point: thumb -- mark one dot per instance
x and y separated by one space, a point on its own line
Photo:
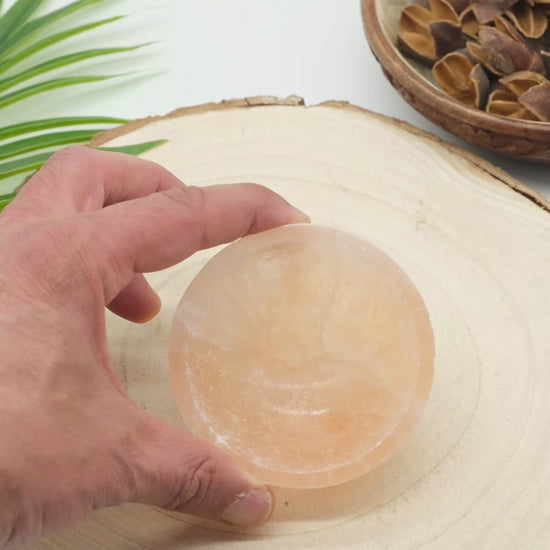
178 471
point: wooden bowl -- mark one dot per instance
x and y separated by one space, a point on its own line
416 85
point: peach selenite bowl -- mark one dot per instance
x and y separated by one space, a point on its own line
303 352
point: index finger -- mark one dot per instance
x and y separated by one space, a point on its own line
155 232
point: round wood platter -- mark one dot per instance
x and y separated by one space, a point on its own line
476 471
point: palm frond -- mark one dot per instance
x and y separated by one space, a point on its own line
5 199
23 165
20 95
34 126
26 145
41 45
58 63
34 162
45 141
29 165
29 30
16 16
136 149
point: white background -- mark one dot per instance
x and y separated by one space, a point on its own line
209 50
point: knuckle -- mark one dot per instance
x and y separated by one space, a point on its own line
66 158
192 200
72 152
260 192
192 203
198 487
62 164
42 192
257 188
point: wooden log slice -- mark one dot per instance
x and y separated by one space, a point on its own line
476 472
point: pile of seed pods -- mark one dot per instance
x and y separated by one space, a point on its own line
489 54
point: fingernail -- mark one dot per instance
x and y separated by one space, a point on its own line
252 508
302 217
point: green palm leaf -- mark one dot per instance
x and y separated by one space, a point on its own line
26 32
59 62
137 149
25 145
34 162
45 141
6 199
41 45
54 123
14 18
47 86
23 166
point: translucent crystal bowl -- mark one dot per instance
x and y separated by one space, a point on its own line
303 352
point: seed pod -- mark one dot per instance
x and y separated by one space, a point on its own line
518 83
469 23
414 38
505 103
443 10
461 79
486 10
537 100
481 86
503 55
447 37
452 72
459 5
543 5
507 27
428 34
528 19
524 95
509 39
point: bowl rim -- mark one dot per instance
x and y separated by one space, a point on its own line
397 67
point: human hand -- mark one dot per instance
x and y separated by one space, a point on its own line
77 238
